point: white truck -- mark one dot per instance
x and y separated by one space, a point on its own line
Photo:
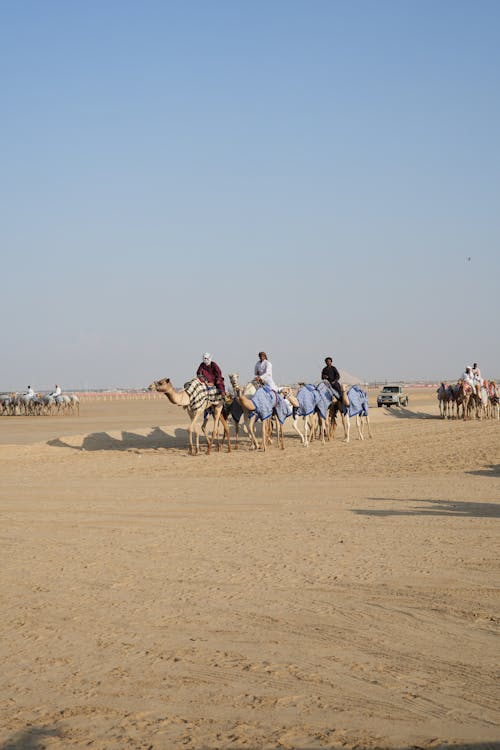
392 395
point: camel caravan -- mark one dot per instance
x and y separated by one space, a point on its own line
314 411
471 397
32 404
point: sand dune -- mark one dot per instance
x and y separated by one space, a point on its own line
335 596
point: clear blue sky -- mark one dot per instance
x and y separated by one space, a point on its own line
307 178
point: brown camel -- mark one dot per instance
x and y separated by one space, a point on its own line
182 398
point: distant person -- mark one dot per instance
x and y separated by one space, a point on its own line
210 372
30 393
56 392
263 371
468 377
476 374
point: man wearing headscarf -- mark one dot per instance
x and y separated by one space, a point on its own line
468 377
210 372
263 370
476 374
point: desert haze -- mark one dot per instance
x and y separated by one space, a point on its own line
341 595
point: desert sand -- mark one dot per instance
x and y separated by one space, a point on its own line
323 597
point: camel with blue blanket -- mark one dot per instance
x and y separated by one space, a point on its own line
262 404
314 402
358 407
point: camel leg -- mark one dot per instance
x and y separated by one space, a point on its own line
194 428
346 422
264 435
267 433
225 426
251 431
204 426
322 425
281 437
215 431
313 424
296 428
190 437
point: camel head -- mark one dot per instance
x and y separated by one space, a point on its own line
159 385
234 380
287 393
343 396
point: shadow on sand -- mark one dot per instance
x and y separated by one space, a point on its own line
35 738
400 412
425 507
491 471
32 738
103 441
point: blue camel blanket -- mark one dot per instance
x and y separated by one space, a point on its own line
358 401
308 397
264 400
326 395
283 408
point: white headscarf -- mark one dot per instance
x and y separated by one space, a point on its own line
207 358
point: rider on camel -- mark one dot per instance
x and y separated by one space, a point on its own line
332 375
263 371
210 373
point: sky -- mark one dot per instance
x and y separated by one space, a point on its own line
305 178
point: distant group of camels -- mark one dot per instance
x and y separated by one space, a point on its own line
462 401
15 404
240 406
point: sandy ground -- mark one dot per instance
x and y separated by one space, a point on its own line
334 596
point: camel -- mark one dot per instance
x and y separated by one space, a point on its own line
445 399
338 405
478 401
494 400
292 399
182 398
462 392
308 398
243 397
230 408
